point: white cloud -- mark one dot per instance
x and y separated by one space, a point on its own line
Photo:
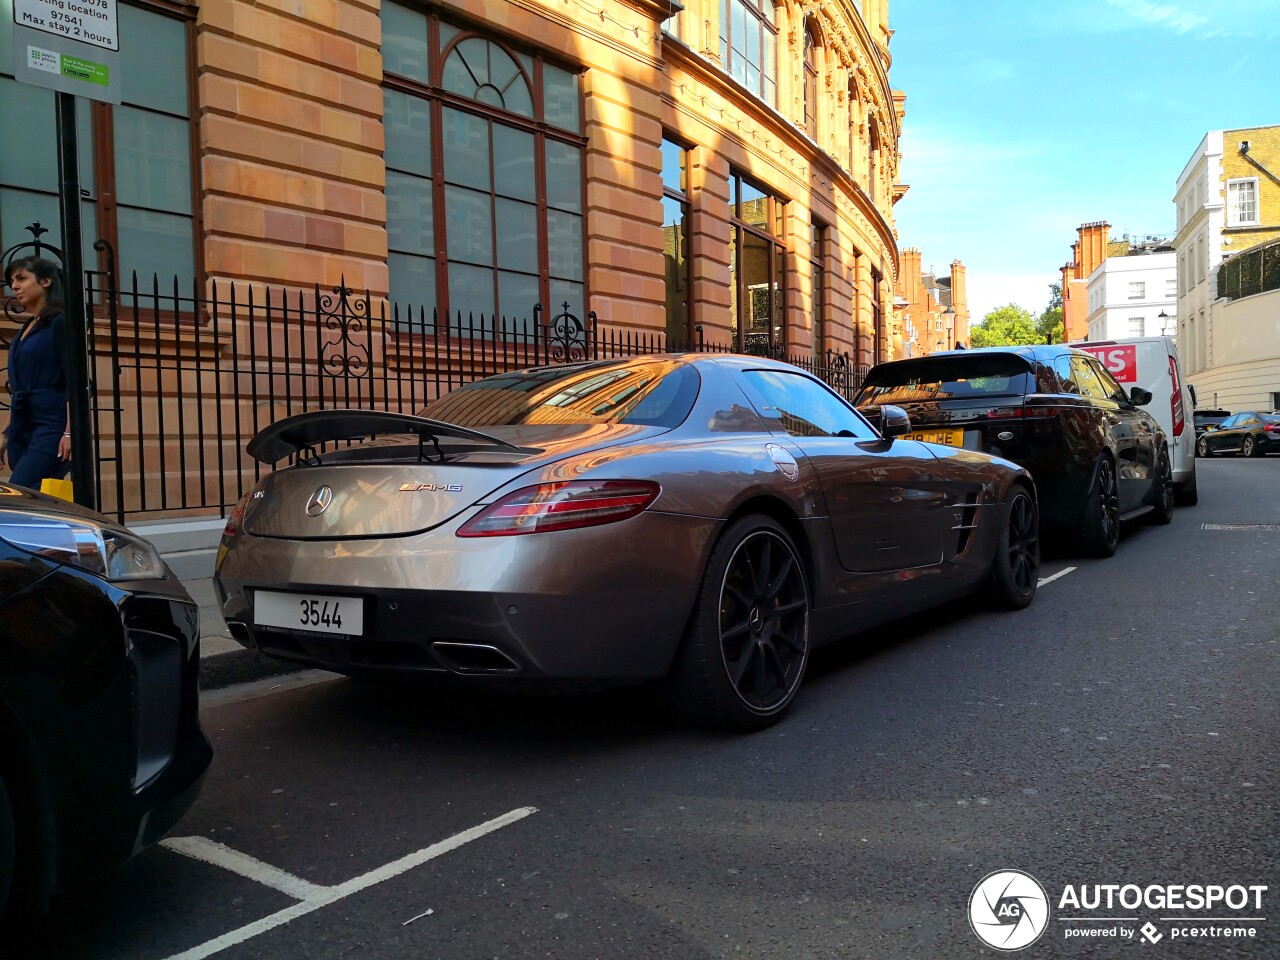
1163 14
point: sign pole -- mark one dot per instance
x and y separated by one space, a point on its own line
75 325
74 50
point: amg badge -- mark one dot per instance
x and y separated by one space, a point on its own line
431 487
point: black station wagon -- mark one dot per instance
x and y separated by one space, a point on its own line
1096 456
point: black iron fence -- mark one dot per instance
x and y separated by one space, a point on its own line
185 375
1256 270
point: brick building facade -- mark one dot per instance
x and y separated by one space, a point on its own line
486 155
933 311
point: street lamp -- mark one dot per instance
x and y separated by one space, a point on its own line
1164 322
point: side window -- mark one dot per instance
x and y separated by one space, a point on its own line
804 407
1087 380
1062 367
1109 384
1230 422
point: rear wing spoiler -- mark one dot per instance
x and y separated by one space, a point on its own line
307 430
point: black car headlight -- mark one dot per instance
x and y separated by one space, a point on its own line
107 551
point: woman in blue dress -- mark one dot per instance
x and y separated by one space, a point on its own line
36 442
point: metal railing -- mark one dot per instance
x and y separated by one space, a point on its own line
184 375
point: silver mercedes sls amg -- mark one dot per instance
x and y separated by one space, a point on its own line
703 520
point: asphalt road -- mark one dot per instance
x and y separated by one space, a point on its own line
1120 731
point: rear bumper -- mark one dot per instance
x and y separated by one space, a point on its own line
604 603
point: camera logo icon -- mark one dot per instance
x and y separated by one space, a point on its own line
1008 910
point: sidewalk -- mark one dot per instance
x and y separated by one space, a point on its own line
215 639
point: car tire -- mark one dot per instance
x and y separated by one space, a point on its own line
8 849
1187 494
747 645
1100 534
1164 500
1015 569
1249 447
1202 448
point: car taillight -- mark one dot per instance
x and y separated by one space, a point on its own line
1179 420
1272 428
237 517
561 506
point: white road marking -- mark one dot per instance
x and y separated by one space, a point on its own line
210 851
355 885
1061 573
240 692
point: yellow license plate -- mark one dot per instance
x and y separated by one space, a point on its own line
952 438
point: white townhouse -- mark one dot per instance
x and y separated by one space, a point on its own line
1135 295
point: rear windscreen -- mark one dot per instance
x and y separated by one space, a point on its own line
639 392
947 378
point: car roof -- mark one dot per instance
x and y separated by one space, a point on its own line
1038 352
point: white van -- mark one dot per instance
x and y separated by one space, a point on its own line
1152 363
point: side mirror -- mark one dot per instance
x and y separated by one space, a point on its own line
1139 397
894 422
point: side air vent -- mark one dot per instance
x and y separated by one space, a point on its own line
967 516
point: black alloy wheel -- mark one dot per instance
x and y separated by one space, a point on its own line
747 647
1249 447
1163 503
1101 533
1202 448
1015 569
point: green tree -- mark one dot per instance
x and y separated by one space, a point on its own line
1007 326
1050 326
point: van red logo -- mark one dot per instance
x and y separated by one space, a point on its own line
1121 360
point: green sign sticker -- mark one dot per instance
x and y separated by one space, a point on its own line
85 70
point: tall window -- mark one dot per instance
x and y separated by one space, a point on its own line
1171 288
1242 203
674 25
811 52
675 240
749 45
873 156
853 121
877 314
484 174
1137 290
817 303
1137 327
757 264
136 172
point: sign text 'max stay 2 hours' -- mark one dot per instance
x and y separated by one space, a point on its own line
88 21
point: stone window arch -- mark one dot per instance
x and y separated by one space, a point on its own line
482 70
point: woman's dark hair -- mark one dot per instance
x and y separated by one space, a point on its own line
55 298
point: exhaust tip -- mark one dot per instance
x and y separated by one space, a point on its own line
473 658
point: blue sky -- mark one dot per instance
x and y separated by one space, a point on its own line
1027 118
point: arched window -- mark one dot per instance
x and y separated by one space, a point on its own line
484 155
812 50
481 70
